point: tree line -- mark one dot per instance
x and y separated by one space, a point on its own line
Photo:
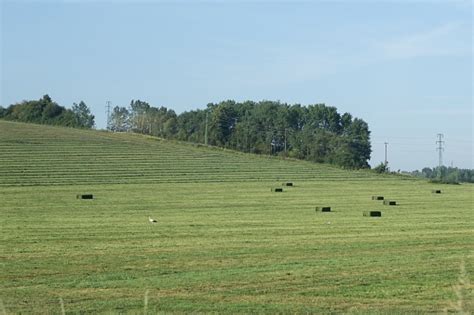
46 111
315 132
447 175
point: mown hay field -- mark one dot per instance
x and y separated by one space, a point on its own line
223 241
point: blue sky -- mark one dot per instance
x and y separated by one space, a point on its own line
403 66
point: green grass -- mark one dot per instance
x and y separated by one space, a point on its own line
224 243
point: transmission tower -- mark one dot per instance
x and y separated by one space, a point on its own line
386 161
107 106
440 148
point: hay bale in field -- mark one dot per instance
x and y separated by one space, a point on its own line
390 202
436 191
377 197
323 209
277 189
85 196
372 213
289 184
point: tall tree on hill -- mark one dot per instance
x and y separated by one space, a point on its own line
223 122
83 114
190 126
158 121
119 119
42 111
359 143
346 122
50 111
170 127
140 120
315 132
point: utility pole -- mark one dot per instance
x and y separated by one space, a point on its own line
440 148
205 131
386 161
285 140
107 106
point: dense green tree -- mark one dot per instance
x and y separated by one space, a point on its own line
46 111
120 119
157 118
68 119
346 122
381 168
51 111
427 172
315 132
140 117
83 114
222 124
170 127
191 126
449 175
358 138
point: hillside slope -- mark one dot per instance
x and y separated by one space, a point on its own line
224 243
44 155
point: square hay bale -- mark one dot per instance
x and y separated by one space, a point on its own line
372 213
377 197
436 191
289 184
277 189
85 196
390 202
323 209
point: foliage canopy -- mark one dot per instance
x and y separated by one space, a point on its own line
46 111
315 132
446 175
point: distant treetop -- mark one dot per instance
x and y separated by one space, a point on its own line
46 111
315 132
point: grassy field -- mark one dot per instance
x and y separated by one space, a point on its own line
224 243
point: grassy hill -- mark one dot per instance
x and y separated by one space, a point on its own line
44 155
223 241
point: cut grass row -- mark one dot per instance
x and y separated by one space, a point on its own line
60 156
223 242
225 250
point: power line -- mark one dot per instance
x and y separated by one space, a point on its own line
440 148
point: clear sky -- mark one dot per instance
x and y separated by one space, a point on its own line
405 67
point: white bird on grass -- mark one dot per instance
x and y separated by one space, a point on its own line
152 220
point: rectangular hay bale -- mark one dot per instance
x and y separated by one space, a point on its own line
323 209
390 202
436 191
377 197
372 213
277 189
289 184
85 196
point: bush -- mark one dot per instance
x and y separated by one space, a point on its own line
381 168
